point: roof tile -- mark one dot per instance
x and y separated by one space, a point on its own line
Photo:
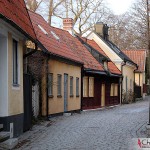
138 56
67 45
111 66
16 12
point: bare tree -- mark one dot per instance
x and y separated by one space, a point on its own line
85 13
33 4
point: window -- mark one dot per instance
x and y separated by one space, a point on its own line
91 86
59 82
85 86
43 30
106 65
71 86
50 84
114 89
77 87
15 62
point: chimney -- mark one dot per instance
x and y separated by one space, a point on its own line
102 30
68 25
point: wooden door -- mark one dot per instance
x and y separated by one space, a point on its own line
103 95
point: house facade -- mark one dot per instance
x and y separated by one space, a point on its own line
123 62
13 33
139 57
61 80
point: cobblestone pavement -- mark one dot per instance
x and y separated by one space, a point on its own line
107 129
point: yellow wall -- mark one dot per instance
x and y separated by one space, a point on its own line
140 80
56 104
128 72
15 94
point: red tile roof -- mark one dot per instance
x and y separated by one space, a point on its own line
138 56
49 40
67 45
15 11
111 66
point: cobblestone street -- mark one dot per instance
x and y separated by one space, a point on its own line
107 129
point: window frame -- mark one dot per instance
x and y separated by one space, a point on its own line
15 54
71 86
77 87
50 86
59 85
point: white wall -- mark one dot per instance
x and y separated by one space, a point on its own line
3 76
8 95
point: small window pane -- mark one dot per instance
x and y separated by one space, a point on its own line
85 86
71 86
50 84
91 86
116 90
112 90
59 80
77 86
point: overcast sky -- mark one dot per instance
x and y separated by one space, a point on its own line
119 6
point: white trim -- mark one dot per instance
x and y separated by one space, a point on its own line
18 51
5 26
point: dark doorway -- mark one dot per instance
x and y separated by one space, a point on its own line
27 102
137 91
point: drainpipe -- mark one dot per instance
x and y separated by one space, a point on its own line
47 98
81 86
122 64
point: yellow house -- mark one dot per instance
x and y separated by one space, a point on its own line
61 79
123 62
13 33
139 57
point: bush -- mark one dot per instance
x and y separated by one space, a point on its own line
128 97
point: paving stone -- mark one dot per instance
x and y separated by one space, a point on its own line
107 129
9 144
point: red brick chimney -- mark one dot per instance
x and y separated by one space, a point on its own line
68 25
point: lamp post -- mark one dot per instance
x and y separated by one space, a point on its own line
148 40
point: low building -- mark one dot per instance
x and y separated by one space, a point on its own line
122 61
61 69
139 57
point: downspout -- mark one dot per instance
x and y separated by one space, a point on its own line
122 64
81 86
139 79
47 98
